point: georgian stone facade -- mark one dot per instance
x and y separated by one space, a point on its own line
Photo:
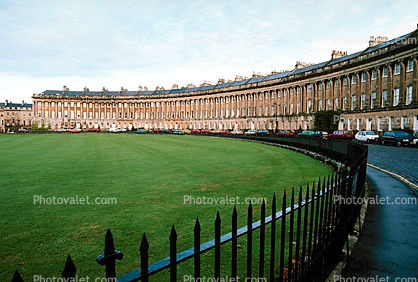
374 89
15 117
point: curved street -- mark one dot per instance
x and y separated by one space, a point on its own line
402 160
387 247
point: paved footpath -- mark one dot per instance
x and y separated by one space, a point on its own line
388 246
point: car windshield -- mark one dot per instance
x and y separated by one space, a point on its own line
370 133
401 133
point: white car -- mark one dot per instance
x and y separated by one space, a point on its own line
113 129
367 136
251 132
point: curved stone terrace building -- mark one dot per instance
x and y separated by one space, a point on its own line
374 89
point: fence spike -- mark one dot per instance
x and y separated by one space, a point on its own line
291 226
173 254
144 247
217 246
110 256
305 230
283 238
234 254
69 269
249 241
273 238
262 239
144 243
298 231
173 233
17 277
197 225
197 249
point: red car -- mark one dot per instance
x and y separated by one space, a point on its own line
342 134
285 133
195 131
75 130
204 131
157 130
226 132
94 130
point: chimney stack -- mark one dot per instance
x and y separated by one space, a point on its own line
377 40
338 54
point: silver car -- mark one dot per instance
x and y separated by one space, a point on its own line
366 136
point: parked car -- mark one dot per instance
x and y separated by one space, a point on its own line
250 132
263 132
75 130
216 131
187 131
177 132
320 134
93 130
141 131
237 132
366 136
285 133
157 130
166 131
306 133
61 130
342 135
195 131
226 132
204 131
397 138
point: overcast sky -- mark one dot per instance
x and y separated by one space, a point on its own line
111 44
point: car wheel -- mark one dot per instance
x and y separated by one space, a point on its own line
399 143
382 142
368 141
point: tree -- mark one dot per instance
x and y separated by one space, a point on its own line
326 120
35 125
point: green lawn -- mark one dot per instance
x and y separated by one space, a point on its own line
148 175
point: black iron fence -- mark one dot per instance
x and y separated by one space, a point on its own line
304 241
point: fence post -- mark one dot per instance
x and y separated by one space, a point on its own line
110 256
283 238
173 254
69 269
290 258
262 240
217 246
17 277
234 244
273 238
305 231
197 249
144 257
249 241
298 227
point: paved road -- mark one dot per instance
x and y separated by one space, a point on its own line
387 248
403 160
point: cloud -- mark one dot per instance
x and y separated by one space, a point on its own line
113 44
